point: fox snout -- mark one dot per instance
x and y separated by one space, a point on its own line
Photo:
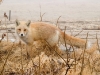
21 35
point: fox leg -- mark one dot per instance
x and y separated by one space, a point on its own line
29 51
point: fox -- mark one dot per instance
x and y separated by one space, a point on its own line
29 32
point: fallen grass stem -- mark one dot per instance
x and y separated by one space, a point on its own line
78 33
54 50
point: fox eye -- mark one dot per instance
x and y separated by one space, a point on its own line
24 29
19 29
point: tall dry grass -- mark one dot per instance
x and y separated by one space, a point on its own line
46 60
14 60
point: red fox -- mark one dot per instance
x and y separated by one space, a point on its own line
30 32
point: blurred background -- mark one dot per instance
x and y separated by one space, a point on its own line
69 10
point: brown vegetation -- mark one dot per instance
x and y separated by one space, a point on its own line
47 60
14 60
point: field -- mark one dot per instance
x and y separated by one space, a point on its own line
66 60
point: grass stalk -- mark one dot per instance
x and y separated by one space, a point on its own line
41 15
6 28
97 42
21 60
39 63
83 56
58 21
6 60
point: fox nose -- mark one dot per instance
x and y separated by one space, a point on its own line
21 34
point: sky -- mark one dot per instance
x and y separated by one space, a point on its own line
51 1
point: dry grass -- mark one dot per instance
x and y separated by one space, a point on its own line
46 60
14 60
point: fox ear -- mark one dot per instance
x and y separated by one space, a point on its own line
17 22
28 23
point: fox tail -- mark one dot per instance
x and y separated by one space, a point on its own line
74 41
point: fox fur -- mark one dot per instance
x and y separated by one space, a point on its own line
30 32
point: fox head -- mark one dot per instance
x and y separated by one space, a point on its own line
22 28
